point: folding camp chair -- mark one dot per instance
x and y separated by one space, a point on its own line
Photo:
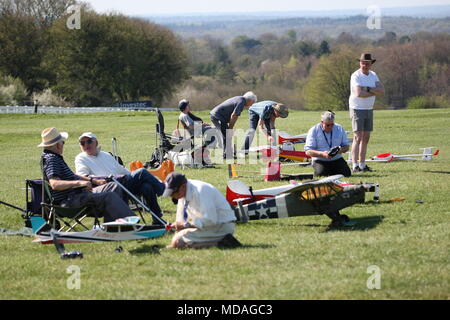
165 143
40 202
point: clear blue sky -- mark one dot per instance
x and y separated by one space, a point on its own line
141 7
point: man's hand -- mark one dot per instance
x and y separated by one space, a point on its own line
178 226
326 155
99 182
333 152
84 184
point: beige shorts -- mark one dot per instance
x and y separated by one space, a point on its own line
362 120
209 234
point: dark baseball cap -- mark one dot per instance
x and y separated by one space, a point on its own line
173 182
183 104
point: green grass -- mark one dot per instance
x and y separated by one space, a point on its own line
295 258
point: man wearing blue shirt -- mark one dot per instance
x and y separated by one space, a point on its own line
264 113
325 143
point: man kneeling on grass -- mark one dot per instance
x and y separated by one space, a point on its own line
204 217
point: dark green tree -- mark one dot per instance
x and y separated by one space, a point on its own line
24 38
328 86
113 57
324 48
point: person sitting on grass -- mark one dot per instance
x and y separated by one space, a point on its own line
92 162
71 190
204 217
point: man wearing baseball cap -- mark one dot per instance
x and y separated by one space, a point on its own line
71 190
92 162
264 114
204 217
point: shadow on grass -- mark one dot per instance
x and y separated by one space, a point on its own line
252 246
439 172
361 224
146 249
156 249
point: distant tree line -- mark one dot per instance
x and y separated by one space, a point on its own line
116 58
307 74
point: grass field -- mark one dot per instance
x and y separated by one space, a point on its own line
295 258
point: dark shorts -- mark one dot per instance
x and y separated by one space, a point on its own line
362 120
331 168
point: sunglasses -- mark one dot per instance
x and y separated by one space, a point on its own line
328 125
88 141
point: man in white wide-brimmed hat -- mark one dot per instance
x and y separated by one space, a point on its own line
71 190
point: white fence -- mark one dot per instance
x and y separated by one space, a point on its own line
64 110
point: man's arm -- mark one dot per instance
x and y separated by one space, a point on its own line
233 119
378 90
318 154
61 185
362 92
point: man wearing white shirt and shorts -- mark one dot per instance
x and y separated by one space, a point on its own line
365 86
204 217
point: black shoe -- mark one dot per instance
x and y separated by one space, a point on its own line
367 169
229 241
356 169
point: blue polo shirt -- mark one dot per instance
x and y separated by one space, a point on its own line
263 109
318 139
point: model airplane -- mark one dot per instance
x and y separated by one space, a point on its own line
310 198
121 230
426 155
271 153
284 137
238 191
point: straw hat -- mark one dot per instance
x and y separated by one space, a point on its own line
51 136
282 110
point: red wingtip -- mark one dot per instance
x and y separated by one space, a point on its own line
437 152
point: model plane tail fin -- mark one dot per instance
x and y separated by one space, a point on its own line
37 224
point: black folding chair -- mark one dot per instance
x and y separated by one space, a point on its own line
165 143
41 203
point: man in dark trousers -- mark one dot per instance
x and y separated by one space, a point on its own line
71 190
225 115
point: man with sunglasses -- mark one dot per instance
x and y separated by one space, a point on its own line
325 143
71 190
92 162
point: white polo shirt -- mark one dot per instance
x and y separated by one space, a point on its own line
101 165
206 206
360 79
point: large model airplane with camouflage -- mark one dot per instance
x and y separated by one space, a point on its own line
325 196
